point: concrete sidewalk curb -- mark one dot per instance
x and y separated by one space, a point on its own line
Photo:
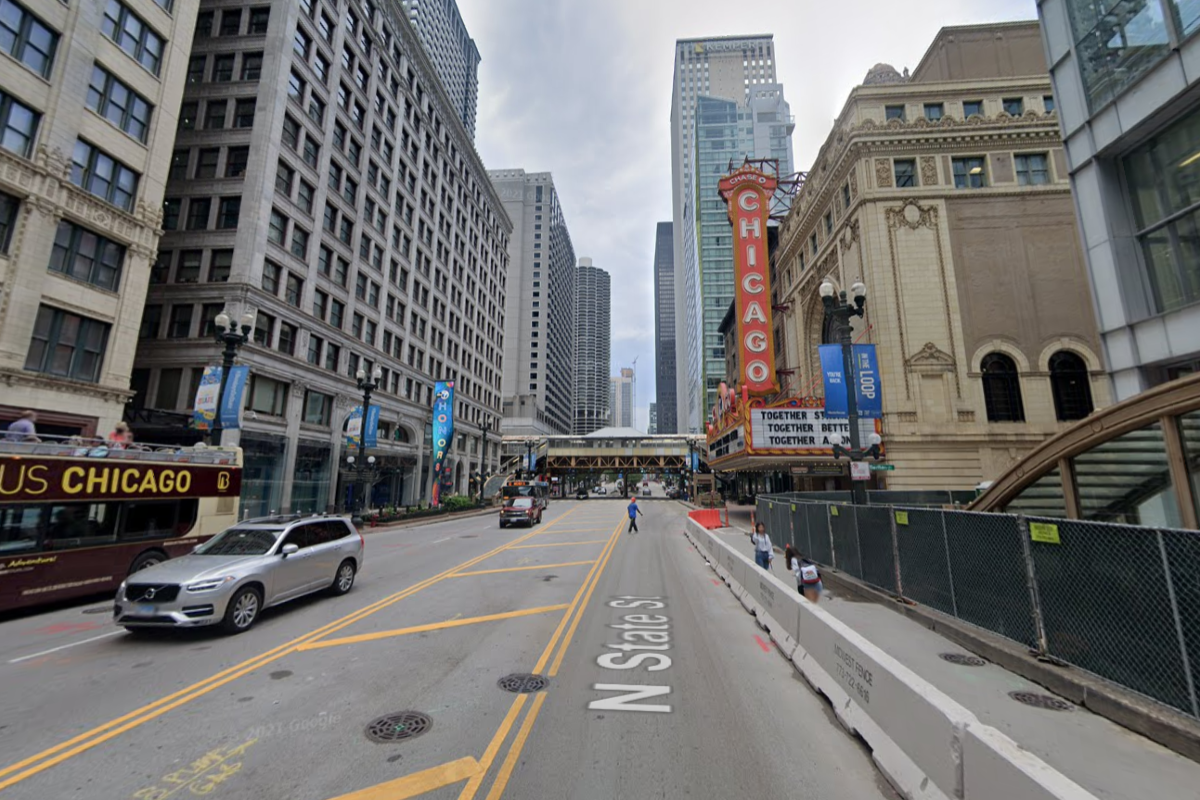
430 520
928 745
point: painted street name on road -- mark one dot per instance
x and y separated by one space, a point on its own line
645 637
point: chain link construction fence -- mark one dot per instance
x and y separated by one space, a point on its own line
1120 601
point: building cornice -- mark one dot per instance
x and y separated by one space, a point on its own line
36 380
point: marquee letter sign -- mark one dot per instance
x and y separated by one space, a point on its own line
748 192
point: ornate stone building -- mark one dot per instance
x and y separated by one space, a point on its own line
946 193
88 105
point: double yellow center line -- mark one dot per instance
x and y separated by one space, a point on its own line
53 756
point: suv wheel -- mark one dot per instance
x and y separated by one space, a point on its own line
343 581
242 611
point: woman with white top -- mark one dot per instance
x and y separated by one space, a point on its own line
763 552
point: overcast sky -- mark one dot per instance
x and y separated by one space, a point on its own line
582 89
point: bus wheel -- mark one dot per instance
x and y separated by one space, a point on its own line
147 559
242 610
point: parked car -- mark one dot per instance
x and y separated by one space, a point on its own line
522 510
232 577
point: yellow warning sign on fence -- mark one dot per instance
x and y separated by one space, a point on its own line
901 517
833 511
1044 532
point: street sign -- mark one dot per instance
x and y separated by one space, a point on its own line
860 471
883 467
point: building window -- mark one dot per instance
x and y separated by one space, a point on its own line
9 208
223 68
304 196
168 388
243 114
267 396
67 345
1071 386
119 104
18 125
288 334
1032 169
277 228
906 173
270 277
1048 103
1014 106
333 353
172 206
259 18
222 263
893 112
180 325
264 326
294 290
97 172
312 152
206 163
231 21
132 35
972 108
1162 177
812 242
299 246
86 256
151 322
320 304
199 209
318 408
195 69
291 133
228 212
934 111
187 116
969 173
337 312
314 349
189 266
26 38
845 195
1002 389
235 161
214 115
208 321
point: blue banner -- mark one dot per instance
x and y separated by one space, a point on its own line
204 407
355 428
867 395
833 369
371 434
443 434
232 402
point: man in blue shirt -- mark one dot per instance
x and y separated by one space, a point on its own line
22 429
633 514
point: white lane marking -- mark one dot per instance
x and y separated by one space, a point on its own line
439 541
64 647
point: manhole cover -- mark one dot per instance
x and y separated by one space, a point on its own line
962 659
398 727
522 683
1040 701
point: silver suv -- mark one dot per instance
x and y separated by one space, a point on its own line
230 578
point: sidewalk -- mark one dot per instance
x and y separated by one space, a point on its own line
1101 756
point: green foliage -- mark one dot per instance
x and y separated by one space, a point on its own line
458 502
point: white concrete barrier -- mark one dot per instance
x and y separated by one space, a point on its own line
928 745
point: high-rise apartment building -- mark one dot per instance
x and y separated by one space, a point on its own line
323 181
87 109
1126 98
621 398
539 354
730 68
724 130
653 426
664 326
453 52
593 348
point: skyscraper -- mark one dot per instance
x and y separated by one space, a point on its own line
653 427
322 182
539 369
452 51
621 394
727 67
664 327
592 348
87 109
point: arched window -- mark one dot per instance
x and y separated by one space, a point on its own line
1070 385
1002 389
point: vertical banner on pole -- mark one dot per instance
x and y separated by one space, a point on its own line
833 370
205 407
443 433
866 382
354 426
231 403
370 433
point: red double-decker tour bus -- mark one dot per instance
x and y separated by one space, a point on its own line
76 517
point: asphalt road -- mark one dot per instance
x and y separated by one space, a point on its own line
657 683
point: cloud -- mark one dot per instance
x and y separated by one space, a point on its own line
583 90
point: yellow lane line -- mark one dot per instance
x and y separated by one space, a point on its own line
419 782
489 755
472 787
520 569
566 642
433 626
514 752
139 716
556 544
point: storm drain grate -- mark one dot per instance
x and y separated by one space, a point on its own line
962 659
398 727
522 683
1041 701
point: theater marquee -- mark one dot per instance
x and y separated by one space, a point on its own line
748 192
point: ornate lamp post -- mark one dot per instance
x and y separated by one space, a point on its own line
840 313
227 334
366 385
483 465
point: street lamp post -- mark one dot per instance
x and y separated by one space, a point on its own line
528 459
227 334
487 426
366 385
841 313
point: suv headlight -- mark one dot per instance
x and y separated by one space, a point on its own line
209 584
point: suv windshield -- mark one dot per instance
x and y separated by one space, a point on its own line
240 542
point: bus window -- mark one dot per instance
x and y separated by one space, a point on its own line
160 519
80 525
19 528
